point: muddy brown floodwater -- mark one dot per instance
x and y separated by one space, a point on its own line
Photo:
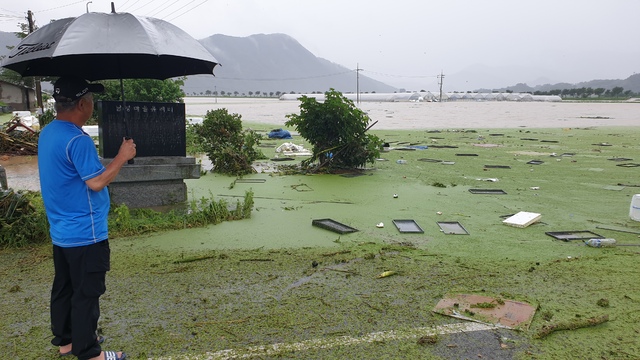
22 172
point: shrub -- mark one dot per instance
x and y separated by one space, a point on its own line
336 129
46 117
230 149
23 220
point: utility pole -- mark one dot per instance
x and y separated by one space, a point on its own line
35 79
358 83
440 77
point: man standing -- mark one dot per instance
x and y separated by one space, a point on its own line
74 183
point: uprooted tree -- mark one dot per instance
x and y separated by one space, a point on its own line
336 130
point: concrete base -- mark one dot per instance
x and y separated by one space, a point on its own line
153 181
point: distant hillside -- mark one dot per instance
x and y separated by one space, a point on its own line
272 63
631 83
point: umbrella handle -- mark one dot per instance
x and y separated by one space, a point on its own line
130 161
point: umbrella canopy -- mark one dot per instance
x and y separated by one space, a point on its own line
100 46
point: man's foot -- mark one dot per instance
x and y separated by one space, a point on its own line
110 355
65 350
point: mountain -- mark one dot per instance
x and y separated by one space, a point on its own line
272 63
277 62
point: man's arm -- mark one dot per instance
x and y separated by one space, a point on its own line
127 151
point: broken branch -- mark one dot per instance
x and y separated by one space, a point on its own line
571 325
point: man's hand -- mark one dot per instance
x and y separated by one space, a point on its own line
127 152
127 149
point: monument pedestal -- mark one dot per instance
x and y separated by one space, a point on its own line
153 181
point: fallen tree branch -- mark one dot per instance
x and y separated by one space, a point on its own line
192 259
571 325
256 259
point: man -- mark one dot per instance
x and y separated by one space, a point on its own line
74 183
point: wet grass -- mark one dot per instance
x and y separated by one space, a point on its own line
274 278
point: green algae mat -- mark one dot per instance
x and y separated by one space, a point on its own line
275 286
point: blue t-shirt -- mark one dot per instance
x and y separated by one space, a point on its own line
67 157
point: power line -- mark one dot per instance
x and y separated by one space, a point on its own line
155 11
140 7
185 5
125 3
12 11
59 7
173 18
124 8
10 17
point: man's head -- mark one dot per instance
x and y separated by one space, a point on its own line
68 89
72 92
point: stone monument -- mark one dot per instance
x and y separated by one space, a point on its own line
156 176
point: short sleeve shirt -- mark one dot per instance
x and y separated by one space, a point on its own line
67 157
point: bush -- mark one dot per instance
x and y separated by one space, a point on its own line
23 220
46 117
230 149
336 129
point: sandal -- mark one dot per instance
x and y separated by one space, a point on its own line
112 355
99 340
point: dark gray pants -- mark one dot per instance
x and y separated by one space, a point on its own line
77 285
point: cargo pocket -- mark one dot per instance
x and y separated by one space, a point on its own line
98 263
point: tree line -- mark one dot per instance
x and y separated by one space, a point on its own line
586 92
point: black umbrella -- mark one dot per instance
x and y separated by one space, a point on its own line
100 46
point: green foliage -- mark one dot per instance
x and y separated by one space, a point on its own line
13 77
231 149
22 219
46 117
129 222
192 141
143 90
336 129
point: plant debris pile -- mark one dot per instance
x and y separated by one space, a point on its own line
17 142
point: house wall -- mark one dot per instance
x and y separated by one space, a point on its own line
17 97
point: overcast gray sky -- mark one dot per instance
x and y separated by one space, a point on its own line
406 43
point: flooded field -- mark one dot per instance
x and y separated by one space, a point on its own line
22 172
424 115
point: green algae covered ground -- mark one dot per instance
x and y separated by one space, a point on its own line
275 279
